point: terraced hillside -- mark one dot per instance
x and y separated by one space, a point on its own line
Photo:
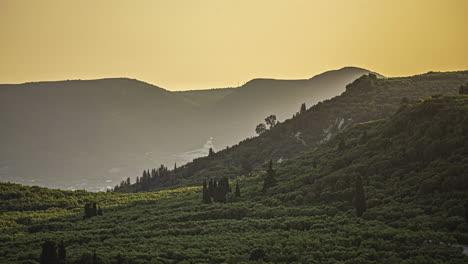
412 169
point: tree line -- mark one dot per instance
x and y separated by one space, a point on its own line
217 190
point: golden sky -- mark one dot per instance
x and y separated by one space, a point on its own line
200 44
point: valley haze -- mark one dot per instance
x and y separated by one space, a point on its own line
91 134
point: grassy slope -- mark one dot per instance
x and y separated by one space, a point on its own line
415 190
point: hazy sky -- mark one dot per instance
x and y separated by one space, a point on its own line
193 44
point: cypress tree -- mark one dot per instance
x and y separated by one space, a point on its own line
210 189
206 195
359 197
303 108
144 176
94 210
237 194
210 153
87 210
224 189
225 185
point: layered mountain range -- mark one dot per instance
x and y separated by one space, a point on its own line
91 133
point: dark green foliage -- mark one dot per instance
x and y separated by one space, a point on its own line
62 252
466 211
49 253
246 166
270 177
206 193
260 128
237 193
359 197
341 145
271 121
91 209
216 191
120 259
257 254
463 89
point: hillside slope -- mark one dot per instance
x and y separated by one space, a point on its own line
92 133
308 217
366 99
259 98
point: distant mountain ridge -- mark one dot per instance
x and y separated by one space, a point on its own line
366 99
90 133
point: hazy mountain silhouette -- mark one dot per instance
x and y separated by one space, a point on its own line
84 132
247 105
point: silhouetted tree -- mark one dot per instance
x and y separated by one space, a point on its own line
303 108
271 121
210 153
49 253
260 129
128 181
270 177
237 194
359 197
144 177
